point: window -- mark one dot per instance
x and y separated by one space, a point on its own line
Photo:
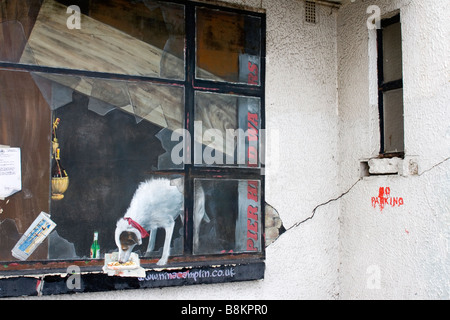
164 98
390 87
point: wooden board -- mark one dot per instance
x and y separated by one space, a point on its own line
95 47
25 122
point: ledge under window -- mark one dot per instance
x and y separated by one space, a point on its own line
388 166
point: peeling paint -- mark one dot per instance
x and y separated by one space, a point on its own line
273 225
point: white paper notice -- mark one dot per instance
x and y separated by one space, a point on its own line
10 172
33 237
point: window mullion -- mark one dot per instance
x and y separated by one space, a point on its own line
190 30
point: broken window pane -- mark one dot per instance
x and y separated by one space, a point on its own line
144 38
227 216
227 130
112 135
228 47
159 104
109 145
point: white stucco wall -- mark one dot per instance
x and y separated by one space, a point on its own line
401 252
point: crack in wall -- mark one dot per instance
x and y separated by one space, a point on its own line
296 225
324 204
434 167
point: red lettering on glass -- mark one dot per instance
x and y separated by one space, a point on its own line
252 156
252 151
253 120
252 127
251 245
252 216
252 191
252 212
253 73
252 229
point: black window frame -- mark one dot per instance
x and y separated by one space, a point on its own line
384 87
251 264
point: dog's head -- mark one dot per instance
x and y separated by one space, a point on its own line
126 237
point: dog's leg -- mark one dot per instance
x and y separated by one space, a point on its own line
199 214
151 242
167 241
197 221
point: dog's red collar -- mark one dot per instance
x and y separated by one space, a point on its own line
134 224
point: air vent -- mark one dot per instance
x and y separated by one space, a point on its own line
310 11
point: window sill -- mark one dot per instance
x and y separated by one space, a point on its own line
389 166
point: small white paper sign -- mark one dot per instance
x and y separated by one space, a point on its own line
10 172
33 237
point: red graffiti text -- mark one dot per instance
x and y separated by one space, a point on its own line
384 199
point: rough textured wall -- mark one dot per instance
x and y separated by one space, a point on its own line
402 251
302 107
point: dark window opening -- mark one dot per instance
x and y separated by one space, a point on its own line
390 88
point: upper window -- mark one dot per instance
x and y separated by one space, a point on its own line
228 46
390 87
138 122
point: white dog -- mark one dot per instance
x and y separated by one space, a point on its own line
156 204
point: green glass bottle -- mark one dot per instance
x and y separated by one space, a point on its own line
95 247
